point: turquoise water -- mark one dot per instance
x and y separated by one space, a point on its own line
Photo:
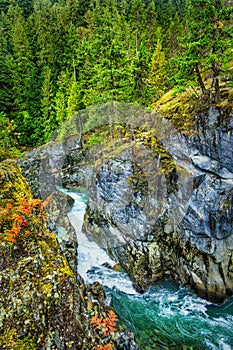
167 316
170 317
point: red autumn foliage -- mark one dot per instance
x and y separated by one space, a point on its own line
15 218
9 206
105 347
106 325
20 219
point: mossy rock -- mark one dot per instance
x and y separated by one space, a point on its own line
183 108
179 108
12 183
43 303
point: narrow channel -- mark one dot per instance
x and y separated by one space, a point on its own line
167 316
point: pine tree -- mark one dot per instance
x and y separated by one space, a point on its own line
137 23
21 66
6 96
60 99
172 37
151 25
157 76
140 66
26 6
72 98
206 47
48 121
4 5
8 138
105 53
49 31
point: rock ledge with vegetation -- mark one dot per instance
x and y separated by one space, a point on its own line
43 303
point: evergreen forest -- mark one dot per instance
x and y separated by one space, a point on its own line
61 56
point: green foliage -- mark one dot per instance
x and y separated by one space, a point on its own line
157 75
206 46
172 38
59 57
9 341
94 140
8 137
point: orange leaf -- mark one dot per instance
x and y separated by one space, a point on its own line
16 228
112 316
10 239
9 206
94 319
105 347
19 218
25 208
96 322
110 330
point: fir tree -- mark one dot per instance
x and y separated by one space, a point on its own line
157 75
21 67
207 45
6 96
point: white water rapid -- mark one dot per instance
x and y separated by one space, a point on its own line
167 316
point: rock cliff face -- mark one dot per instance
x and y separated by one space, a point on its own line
162 209
39 167
174 223
44 304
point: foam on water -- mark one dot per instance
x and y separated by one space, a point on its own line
91 258
167 316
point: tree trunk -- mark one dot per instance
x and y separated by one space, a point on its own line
215 82
200 81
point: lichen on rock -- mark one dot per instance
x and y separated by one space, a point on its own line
170 224
43 304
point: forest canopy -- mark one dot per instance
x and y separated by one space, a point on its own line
59 57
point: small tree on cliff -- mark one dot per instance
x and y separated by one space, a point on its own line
206 47
157 75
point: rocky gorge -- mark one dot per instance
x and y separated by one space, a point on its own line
160 201
160 204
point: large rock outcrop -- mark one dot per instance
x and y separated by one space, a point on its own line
39 167
44 304
176 222
160 201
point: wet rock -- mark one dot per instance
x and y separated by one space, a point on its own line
126 341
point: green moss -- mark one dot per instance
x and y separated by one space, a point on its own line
9 340
95 140
179 108
40 293
13 185
225 205
46 289
64 269
183 108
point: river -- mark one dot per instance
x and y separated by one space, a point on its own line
167 316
